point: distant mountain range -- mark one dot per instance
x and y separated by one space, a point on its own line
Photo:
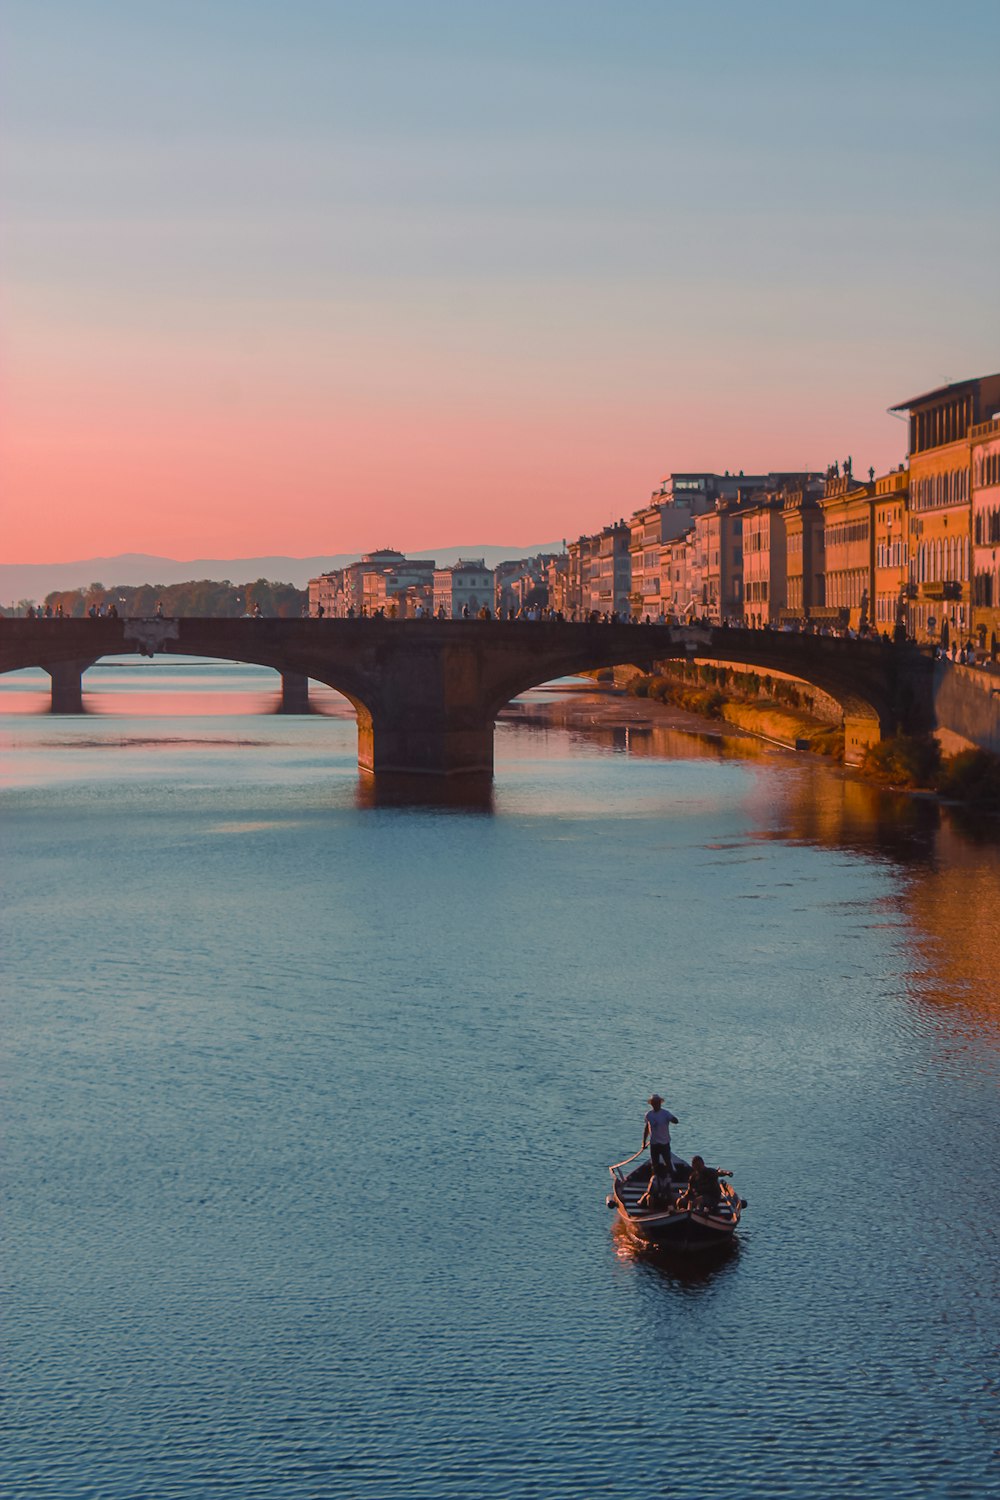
35 580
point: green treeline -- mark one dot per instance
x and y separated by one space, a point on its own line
203 597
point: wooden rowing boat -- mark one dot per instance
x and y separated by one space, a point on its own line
684 1224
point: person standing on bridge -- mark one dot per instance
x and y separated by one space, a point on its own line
656 1130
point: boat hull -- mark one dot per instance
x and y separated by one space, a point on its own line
682 1233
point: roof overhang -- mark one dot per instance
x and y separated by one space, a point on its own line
942 390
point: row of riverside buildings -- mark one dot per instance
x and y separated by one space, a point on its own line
915 548
388 583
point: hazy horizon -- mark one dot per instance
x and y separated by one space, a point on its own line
26 581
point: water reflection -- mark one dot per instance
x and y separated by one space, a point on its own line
243 963
689 1272
953 902
461 794
167 687
950 900
836 809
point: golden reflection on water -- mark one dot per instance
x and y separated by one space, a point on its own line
689 1270
949 894
954 906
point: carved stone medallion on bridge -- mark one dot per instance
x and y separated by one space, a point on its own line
150 635
690 636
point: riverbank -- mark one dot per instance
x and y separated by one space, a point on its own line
605 707
916 766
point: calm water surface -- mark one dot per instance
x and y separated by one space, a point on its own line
309 1107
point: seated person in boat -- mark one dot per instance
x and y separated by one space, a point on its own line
704 1189
661 1191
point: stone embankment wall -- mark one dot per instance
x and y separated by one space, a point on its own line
967 704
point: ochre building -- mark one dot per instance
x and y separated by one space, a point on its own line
940 504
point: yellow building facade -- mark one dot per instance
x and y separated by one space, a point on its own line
940 504
849 549
985 440
891 574
805 586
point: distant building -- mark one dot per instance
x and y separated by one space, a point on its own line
463 590
891 573
557 574
579 557
614 575
765 560
680 505
805 585
647 532
719 536
326 594
400 589
676 582
356 589
849 544
354 576
715 532
521 582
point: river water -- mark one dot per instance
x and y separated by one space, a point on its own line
310 1103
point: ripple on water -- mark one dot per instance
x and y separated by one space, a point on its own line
307 1130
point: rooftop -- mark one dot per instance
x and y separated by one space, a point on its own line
948 390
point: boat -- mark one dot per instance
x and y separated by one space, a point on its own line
682 1226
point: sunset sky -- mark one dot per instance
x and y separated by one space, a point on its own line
312 277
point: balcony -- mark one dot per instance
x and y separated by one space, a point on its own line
939 589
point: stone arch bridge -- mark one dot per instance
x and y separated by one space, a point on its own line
427 692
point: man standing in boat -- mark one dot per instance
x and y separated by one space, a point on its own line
656 1131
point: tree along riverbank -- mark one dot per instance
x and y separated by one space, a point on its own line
198 598
800 717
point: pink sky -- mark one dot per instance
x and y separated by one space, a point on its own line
115 446
339 277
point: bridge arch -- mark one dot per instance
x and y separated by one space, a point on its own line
859 694
66 649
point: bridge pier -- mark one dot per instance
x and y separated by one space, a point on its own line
294 693
860 733
427 744
67 685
